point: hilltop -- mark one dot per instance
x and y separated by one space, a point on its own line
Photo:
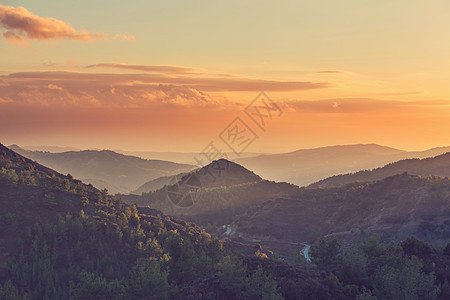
214 193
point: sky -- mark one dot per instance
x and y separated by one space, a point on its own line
180 75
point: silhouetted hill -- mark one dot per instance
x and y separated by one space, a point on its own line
395 207
223 172
107 168
178 157
155 184
439 165
212 194
304 167
53 149
218 173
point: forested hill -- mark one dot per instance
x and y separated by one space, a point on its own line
105 168
439 165
394 208
213 194
62 239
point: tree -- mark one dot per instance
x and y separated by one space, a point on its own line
232 275
91 286
326 252
414 246
9 292
260 286
147 281
182 258
366 295
446 250
374 247
405 281
354 268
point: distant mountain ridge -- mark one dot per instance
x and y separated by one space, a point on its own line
53 149
439 165
178 157
106 169
306 166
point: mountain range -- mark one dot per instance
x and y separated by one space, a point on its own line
388 202
224 193
120 172
105 169
306 166
439 165
63 239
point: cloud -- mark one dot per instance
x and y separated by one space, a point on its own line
359 105
252 85
211 82
131 90
400 93
22 25
147 68
5 100
14 38
83 90
124 37
205 84
54 87
20 22
71 63
332 72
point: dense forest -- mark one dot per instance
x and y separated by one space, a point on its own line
68 240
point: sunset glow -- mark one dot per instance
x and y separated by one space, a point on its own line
171 75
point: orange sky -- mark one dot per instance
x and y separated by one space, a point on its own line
156 77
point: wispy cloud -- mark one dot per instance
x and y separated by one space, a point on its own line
332 72
4 100
147 68
13 37
132 90
99 90
124 37
359 105
137 86
22 25
211 82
